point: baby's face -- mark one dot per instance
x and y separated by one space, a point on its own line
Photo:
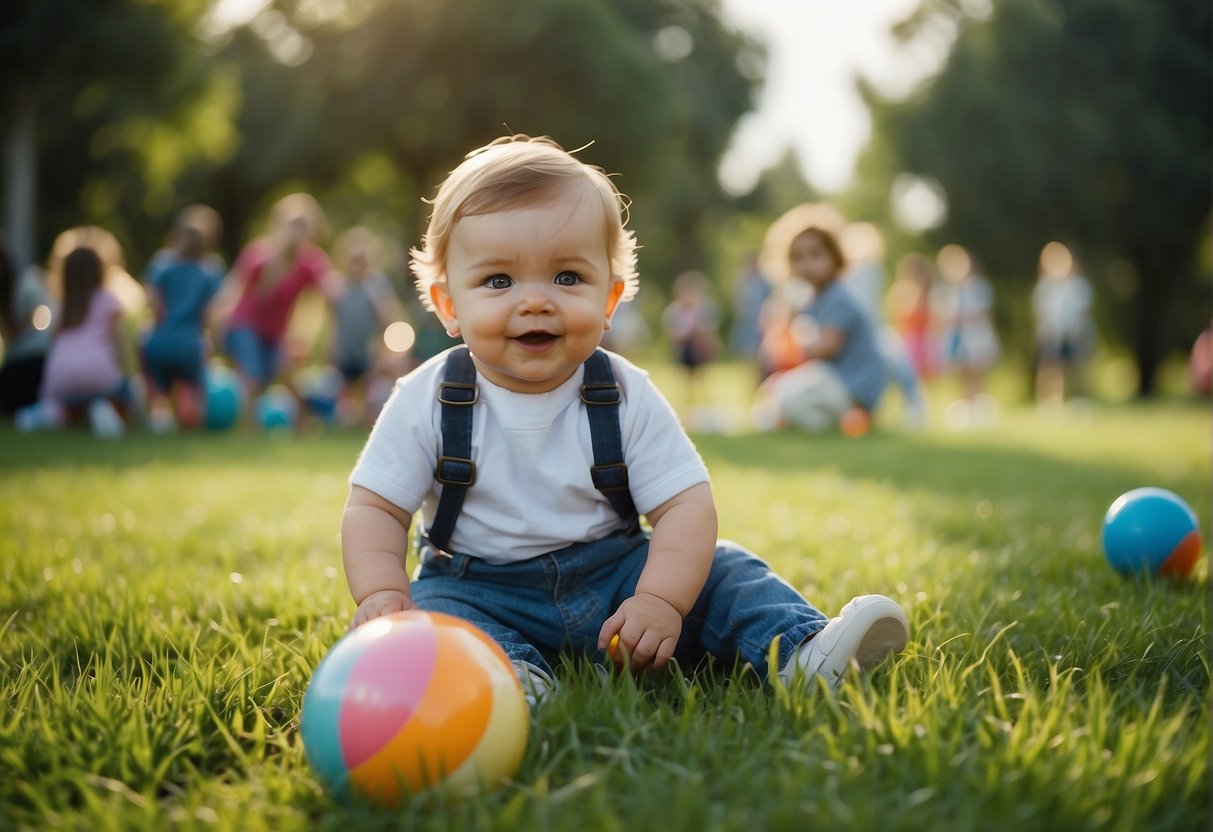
530 290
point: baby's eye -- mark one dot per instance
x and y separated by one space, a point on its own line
498 281
568 279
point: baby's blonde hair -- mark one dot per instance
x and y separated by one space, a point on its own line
513 172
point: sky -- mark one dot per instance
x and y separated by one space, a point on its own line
809 100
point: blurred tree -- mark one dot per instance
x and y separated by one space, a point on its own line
1081 120
105 102
392 93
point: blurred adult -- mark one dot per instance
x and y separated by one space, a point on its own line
253 308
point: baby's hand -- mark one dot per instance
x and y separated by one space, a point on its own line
648 628
381 603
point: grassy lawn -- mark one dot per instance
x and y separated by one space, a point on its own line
164 599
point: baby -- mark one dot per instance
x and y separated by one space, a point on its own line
532 455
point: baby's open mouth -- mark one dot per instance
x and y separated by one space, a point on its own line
536 338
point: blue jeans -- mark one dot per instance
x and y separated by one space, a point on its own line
557 602
253 355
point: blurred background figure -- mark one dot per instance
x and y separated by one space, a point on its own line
1200 363
750 291
130 293
909 301
254 305
117 280
182 279
1064 330
25 320
962 306
88 368
692 323
365 309
840 375
864 248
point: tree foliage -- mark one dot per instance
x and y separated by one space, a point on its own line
1086 121
392 97
370 103
119 103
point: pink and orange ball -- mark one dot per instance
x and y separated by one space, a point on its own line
409 701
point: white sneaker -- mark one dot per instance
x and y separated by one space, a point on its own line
536 684
867 629
105 421
43 415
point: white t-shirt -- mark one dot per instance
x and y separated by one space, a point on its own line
533 493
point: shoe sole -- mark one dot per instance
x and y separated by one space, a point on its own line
885 636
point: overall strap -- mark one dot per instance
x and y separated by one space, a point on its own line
600 392
455 470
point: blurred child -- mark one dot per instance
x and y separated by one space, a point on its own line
25 318
863 246
85 372
366 306
532 454
910 307
254 305
840 367
691 322
1065 333
962 307
182 280
750 292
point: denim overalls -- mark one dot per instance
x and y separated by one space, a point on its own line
557 602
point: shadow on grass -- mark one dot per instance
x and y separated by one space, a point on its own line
322 451
924 462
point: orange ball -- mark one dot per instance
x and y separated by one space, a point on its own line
855 422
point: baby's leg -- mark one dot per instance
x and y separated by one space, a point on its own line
443 595
743 606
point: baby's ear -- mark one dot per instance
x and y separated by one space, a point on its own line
444 307
614 295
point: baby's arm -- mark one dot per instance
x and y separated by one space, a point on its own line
374 540
680 557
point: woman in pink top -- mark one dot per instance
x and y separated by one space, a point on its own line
260 292
85 369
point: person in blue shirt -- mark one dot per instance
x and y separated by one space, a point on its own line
841 367
182 279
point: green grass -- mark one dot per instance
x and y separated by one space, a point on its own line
164 599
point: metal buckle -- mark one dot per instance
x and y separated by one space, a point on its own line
455 460
621 483
458 385
592 388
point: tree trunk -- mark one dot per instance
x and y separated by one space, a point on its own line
20 170
1148 307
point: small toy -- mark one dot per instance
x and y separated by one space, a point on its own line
412 700
276 408
320 388
855 423
1151 530
613 646
224 398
